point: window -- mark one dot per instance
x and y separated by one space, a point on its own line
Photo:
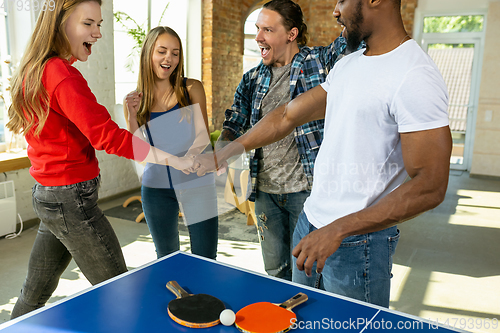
450 24
126 61
251 53
454 43
158 12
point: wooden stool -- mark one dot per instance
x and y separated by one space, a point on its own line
140 217
245 206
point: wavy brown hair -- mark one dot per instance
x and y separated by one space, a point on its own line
146 81
30 101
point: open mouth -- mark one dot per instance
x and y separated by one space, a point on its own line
88 46
167 67
264 51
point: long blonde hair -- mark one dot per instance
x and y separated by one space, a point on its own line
30 101
146 81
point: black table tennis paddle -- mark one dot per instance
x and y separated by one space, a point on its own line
196 311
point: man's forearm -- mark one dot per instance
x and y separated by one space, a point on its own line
412 198
273 127
278 123
227 135
426 156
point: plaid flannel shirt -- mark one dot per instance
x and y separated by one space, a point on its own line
310 67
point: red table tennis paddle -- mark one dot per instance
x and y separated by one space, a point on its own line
196 311
265 317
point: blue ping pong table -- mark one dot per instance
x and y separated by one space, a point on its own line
137 301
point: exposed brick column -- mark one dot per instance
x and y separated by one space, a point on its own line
222 55
207 39
408 13
322 26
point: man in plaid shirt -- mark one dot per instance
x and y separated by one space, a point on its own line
281 173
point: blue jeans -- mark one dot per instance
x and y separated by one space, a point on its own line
71 226
360 268
276 219
199 206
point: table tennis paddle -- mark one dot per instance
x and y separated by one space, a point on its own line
196 311
265 317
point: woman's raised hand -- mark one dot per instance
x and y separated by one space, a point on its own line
133 101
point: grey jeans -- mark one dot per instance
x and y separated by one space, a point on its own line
71 226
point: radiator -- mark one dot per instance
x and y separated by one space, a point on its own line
8 209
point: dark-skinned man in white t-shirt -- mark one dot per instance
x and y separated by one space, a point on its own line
385 111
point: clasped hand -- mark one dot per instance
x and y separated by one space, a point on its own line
201 164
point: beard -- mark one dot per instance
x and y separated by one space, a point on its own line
355 36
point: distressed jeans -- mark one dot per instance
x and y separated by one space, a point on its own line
276 219
71 226
359 269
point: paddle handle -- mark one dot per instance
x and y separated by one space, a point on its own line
177 290
294 301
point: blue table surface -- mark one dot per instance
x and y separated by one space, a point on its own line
137 302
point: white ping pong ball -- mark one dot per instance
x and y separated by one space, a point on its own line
227 317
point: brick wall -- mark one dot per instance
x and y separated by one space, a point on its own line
207 31
222 54
322 26
408 13
223 22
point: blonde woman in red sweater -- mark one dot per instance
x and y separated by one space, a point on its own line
63 125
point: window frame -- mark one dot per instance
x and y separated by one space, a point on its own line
476 37
4 56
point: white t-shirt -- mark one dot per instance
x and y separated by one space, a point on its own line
371 99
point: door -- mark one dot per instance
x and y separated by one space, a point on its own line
456 59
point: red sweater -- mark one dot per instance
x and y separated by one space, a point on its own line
64 153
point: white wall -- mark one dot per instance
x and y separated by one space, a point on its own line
117 173
23 182
486 156
20 25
